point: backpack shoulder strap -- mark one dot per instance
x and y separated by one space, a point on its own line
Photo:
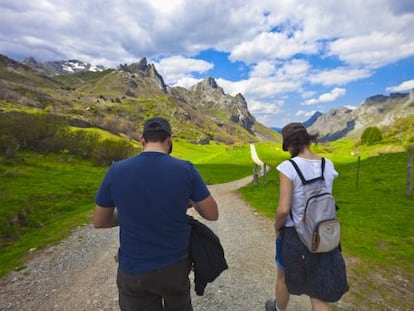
322 167
302 178
298 171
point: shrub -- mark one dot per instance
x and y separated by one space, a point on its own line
50 133
8 145
108 150
371 136
30 131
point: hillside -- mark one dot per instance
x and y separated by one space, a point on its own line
120 100
379 110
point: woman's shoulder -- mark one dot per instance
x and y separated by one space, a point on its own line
284 164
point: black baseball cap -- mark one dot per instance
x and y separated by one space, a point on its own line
157 124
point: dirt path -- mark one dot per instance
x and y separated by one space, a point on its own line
79 273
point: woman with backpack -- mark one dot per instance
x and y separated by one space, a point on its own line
320 275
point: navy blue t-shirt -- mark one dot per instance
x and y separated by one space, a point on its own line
151 192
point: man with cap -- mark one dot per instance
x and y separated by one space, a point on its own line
147 196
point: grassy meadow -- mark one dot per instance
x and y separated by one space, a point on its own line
44 196
377 235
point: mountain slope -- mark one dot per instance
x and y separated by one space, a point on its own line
120 100
378 110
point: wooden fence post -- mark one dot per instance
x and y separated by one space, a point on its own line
410 175
255 175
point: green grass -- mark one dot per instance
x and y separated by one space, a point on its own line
44 196
55 193
217 163
377 222
376 209
50 193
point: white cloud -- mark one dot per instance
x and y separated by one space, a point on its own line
269 45
265 112
187 82
265 108
296 69
259 89
326 97
277 40
303 113
403 86
373 50
176 68
117 31
338 76
307 94
263 69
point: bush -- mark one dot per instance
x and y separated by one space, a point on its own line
107 151
8 145
29 131
51 133
371 136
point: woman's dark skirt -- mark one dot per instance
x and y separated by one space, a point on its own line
318 275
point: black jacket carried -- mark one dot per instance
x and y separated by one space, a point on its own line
206 254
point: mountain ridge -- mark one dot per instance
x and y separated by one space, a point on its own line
377 110
120 99
204 109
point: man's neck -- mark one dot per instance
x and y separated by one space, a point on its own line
155 147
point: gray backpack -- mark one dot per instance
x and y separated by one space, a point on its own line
318 229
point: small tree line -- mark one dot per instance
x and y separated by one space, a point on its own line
51 133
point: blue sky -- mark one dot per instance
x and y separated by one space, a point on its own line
288 58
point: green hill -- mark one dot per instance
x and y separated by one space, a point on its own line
120 100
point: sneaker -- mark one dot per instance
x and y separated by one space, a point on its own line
271 305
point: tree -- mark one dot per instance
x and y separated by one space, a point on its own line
371 136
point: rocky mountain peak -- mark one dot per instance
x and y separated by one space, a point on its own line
62 67
206 109
241 99
384 98
29 60
210 82
208 85
312 119
145 70
138 67
154 75
377 110
334 124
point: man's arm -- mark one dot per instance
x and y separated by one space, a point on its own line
207 208
105 217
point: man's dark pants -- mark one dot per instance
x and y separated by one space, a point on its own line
166 289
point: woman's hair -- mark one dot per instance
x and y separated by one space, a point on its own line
296 137
298 141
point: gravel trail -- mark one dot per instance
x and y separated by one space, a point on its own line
79 273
